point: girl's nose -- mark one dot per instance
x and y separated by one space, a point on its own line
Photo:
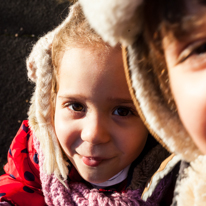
95 130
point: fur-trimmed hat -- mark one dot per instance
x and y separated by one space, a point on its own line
40 71
163 123
121 22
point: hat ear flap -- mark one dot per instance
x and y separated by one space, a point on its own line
41 109
40 71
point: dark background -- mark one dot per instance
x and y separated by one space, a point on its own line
22 22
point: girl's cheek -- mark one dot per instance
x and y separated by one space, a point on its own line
62 128
68 135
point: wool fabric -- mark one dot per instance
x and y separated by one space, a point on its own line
78 193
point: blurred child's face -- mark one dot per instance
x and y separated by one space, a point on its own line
95 119
186 61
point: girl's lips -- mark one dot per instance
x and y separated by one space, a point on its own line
91 161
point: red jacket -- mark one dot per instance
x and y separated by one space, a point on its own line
22 172
21 184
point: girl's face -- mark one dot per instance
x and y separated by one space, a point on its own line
186 61
95 119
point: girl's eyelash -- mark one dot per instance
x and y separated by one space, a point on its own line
130 110
201 49
196 48
77 107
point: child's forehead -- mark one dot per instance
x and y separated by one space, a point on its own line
85 59
103 50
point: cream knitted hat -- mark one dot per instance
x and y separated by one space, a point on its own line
40 71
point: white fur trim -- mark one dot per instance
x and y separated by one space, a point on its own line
192 189
41 47
115 20
159 176
160 119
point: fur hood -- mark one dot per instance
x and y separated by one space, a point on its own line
121 23
125 21
40 71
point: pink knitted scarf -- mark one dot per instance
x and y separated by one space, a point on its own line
57 194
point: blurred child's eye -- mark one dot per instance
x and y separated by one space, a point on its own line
76 107
200 50
122 111
196 48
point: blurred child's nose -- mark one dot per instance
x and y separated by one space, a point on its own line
95 130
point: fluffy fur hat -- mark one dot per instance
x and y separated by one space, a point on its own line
121 21
109 19
163 124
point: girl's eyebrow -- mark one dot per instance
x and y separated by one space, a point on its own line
71 96
120 100
110 99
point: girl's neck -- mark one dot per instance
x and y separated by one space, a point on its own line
119 177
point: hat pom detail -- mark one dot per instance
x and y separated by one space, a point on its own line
117 21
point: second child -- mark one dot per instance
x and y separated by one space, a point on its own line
165 60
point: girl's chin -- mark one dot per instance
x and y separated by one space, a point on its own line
95 180
95 176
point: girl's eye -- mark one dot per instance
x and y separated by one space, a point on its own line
76 107
122 111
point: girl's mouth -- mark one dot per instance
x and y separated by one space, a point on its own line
92 161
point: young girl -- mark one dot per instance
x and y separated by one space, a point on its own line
84 143
165 57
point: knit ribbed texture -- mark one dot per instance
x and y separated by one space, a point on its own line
57 194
